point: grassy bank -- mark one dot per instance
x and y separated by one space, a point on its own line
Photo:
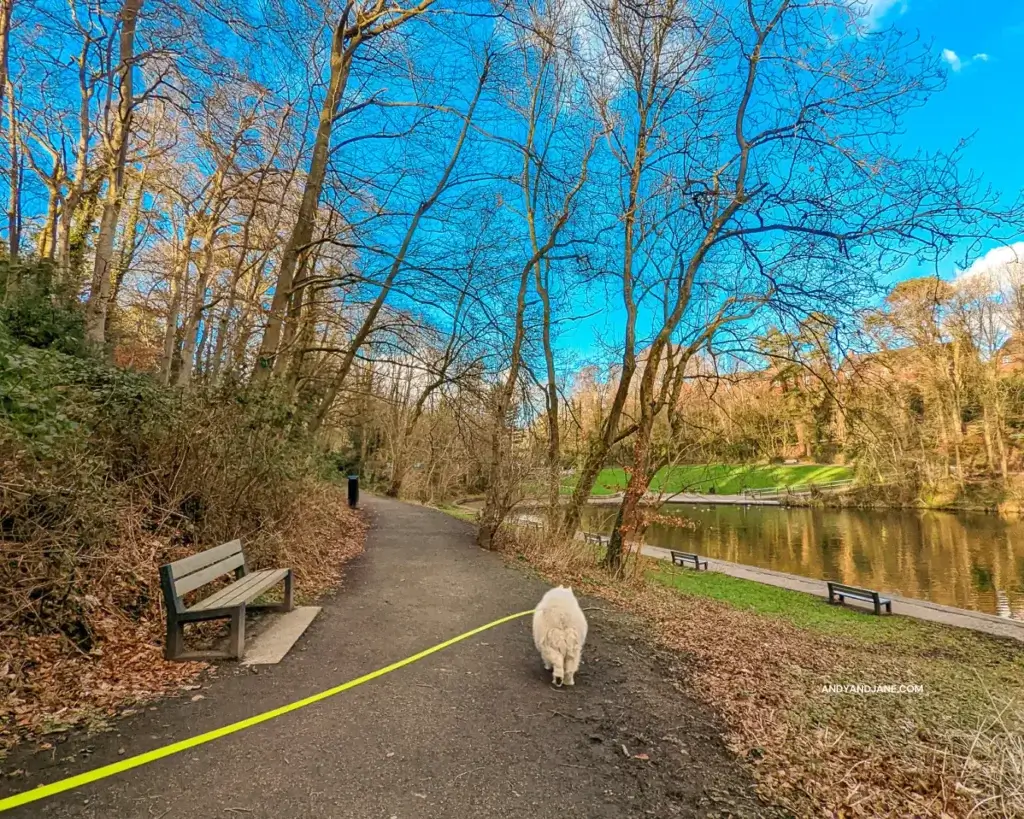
722 479
762 657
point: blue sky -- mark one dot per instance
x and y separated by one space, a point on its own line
981 44
983 94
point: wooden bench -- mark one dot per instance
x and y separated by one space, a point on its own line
682 558
183 576
595 537
842 591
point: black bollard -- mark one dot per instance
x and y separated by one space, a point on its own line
353 490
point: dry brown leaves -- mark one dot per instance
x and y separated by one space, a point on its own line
764 677
59 688
48 684
322 536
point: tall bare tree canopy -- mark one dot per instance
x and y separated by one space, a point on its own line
424 224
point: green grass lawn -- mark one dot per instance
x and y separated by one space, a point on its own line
724 479
801 610
458 512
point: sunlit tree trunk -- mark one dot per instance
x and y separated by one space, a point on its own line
15 171
117 146
177 284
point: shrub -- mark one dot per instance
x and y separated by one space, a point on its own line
107 473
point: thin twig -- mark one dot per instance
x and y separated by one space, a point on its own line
471 770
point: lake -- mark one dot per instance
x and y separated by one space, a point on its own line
972 561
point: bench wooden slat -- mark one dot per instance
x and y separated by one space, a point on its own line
857 595
239 592
193 563
242 591
191 582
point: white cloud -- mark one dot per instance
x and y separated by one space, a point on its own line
1000 263
872 12
956 64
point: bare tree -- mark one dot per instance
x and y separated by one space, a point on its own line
358 24
121 96
753 159
399 257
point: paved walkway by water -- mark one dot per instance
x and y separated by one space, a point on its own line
908 606
475 730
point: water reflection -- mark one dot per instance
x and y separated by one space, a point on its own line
973 561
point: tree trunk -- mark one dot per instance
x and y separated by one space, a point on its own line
14 202
178 283
626 524
551 398
222 346
593 462
202 358
345 41
6 7
986 428
640 473
77 193
48 234
99 294
302 232
14 179
195 318
190 332
128 245
399 467
496 499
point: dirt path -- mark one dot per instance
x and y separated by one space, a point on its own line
473 731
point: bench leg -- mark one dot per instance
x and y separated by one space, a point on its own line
175 638
289 599
236 637
888 607
878 607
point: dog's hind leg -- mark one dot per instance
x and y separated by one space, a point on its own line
572 664
553 662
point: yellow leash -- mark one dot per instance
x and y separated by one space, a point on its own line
45 791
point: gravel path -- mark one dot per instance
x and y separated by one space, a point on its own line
472 731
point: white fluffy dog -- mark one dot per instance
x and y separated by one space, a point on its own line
559 631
